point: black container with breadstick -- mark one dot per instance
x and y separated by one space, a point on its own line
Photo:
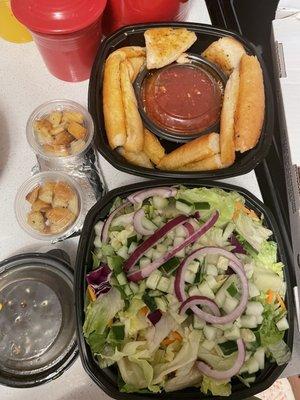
243 118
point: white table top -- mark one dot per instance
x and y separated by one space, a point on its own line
25 83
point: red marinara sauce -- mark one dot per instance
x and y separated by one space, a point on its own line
182 98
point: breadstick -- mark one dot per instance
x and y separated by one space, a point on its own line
140 159
152 147
136 63
196 150
250 109
133 121
208 164
227 145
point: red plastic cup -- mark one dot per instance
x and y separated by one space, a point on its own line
66 32
119 13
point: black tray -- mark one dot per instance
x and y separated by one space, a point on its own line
106 379
133 35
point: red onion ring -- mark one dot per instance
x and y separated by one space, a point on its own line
139 197
179 283
189 228
226 318
205 301
138 223
137 275
108 221
234 370
152 240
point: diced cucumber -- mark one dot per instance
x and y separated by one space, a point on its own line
123 252
98 228
194 291
282 324
163 284
211 259
248 321
131 239
249 269
97 242
205 290
212 283
232 290
252 365
193 266
250 379
149 301
230 304
115 263
228 231
114 281
211 269
198 323
153 279
180 231
118 332
161 303
134 287
182 207
254 308
189 276
228 347
233 334
208 344
161 248
178 241
160 202
149 253
157 255
144 261
158 220
171 234
220 297
171 265
253 291
259 356
225 327
132 247
148 224
154 293
223 263
202 205
121 278
171 286
210 332
247 335
127 290
122 220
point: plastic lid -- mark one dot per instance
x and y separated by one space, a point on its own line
57 16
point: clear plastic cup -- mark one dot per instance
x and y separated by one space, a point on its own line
23 207
59 157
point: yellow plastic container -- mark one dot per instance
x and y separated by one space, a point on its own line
10 28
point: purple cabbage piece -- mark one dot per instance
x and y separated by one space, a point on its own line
238 247
99 279
154 316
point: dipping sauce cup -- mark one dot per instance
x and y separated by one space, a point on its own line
66 32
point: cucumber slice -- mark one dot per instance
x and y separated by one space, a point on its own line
148 224
205 290
248 321
153 279
212 283
259 356
184 208
247 335
123 252
127 290
97 242
131 239
132 247
134 287
233 334
254 308
228 347
193 266
223 263
198 323
178 241
230 304
170 266
189 277
159 202
220 297
149 301
282 324
144 261
210 332
163 284
211 269
121 278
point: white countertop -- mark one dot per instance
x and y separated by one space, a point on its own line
25 83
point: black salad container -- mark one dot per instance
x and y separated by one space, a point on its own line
106 379
206 34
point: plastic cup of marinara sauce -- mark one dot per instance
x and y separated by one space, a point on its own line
66 32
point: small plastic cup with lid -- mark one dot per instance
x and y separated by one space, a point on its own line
49 206
60 130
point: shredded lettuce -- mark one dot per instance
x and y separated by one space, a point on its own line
179 382
216 388
267 257
269 333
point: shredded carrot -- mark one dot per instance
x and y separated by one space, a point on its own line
270 296
280 301
144 311
91 293
110 323
240 207
173 336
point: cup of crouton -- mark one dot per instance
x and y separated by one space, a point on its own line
61 130
48 206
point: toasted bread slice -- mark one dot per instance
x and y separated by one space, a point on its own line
165 45
227 144
226 53
195 150
250 109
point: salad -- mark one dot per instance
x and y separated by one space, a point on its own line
186 290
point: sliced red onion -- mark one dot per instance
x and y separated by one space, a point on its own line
154 316
139 197
197 215
226 318
138 223
238 247
234 370
108 221
189 228
99 279
152 240
137 275
179 283
204 301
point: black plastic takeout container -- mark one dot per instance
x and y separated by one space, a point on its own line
106 379
206 34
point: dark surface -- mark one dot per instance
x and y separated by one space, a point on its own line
106 379
133 35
